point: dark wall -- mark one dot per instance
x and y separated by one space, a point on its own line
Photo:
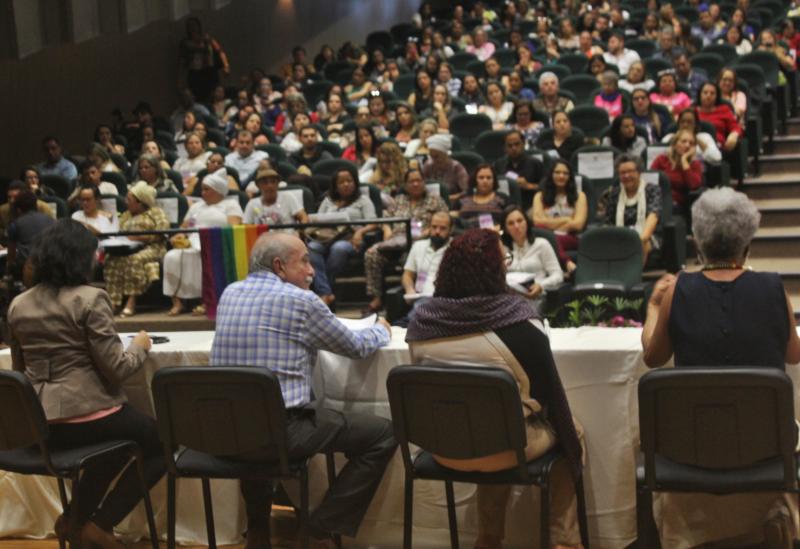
66 90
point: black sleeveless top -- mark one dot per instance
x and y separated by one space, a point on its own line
744 322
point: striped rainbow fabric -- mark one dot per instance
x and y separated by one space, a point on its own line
225 252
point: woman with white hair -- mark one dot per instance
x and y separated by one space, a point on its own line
548 99
183 268
723 315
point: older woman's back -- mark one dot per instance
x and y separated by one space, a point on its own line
743 322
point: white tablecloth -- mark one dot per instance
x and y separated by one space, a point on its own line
599 368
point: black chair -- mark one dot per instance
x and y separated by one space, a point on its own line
749 412
275 151
381 40
593 121
330 165
470 160
58 204
576 62
461 59
645 48
467 127
24 448
404 85
491 145
174 205
60 185
176 178
218 415
582 86
117 179
431 405
710 62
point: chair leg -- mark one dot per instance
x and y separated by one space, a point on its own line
62 492
171 511
148 505
645 522
73 529
582 520
331 465
451 514
408 511
544 513
304 534
212 537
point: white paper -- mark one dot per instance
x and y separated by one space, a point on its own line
329 217
650 177
170 207
415 296
599 165
356 324
119 242
653 151
433 189
518 281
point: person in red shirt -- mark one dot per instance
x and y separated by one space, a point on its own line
711 109
679 164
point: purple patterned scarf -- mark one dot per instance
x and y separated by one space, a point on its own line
447 317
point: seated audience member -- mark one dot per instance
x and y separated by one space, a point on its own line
735 37
359 87
680 165
481 46
768 42
311 152
730 92
711 109
105 136
378 114
363 152
473 319
215 162
705 30
636 79
667 49
31 176
91 176
183 266
445 78
548 100
441 167
419 205
97 220
152 147
482 206
496 108
560 207
471 93
441 108
404 128
417 149
493 73
526 64
421 98
335 117
645 115
707 149
131 275
688 77
331 247
245 158
723 315
610 98
81 391
273 309
99 156
531 255
561 142
522 120
195 159
24 231
7 213
517 166
618 54
54 161
291 141
517 90
623 136
667 94
633 203
597 66
272 207
390 171
150 171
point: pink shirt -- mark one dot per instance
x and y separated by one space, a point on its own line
676 102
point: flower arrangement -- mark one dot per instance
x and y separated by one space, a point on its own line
596 310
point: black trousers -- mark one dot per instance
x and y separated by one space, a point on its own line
126 424
368 443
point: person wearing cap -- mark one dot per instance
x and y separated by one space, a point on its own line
130 275
443 168
183 267
618 54
272 207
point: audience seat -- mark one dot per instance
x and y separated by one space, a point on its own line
467 127
491 145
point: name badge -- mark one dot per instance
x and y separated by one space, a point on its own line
486 221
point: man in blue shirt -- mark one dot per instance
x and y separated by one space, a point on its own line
54 162
272 320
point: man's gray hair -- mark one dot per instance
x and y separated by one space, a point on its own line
266 249
724 222
625 158
547 74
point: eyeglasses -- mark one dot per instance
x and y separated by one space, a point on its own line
509 258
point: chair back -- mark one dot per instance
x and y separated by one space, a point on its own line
404 85
22 420
330 165
118 180
593 121
58 205
576 62
645 48
710 62
275 152
583 86
609 254
491 145
222 411
470 160
457 412
467 127
174 205
60 185
717 418
726 51
461 59
653 65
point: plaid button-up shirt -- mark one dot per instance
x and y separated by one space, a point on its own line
264 321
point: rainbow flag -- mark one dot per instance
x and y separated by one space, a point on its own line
225 252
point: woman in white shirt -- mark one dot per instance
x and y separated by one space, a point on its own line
707 149
529 254
497 108
96 220
183 268
195 159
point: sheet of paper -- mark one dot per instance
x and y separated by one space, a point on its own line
519 278
119 242
359 323
415 296
596 164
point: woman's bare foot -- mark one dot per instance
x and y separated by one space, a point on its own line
177 307
93 535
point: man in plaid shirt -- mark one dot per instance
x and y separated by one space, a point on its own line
272 320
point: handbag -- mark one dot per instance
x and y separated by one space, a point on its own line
329 235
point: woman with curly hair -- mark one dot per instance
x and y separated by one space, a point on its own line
559 206
472 318
390 172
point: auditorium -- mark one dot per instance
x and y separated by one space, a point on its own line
400 273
